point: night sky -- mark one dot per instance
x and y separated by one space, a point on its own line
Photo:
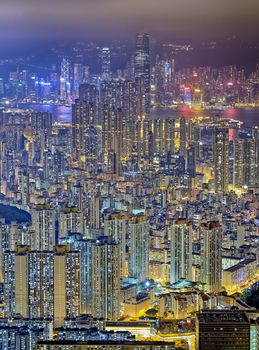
173 19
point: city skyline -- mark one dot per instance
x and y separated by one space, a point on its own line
129 175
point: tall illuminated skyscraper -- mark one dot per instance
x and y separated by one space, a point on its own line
138 248
86 136
105 62
211 256
250 162
221 160
84 246
112 139
191 161
106 279
115 226
238 163
65 85
183 137
181 251
142 74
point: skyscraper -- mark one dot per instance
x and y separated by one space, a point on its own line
70 220
221 160
142 74
211 259
65 85
183 137
138 248
250 162
105 62
115 226
191 161
42 284
43 223
106 279
181 251
238 163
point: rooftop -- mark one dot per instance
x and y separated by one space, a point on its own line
222 316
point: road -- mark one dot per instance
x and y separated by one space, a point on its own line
144 332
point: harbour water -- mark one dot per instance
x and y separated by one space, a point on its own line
249 116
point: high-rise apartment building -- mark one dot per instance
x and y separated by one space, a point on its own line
221 160
115 226
43 224
181 251
138 247
42 284
106 279
211 256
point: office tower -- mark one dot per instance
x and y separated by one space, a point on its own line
43 284
142 74
250 162
183 137
211 259
115 226
138 247
238 164
106 279
221 160
65 85
43 223
77 78
181 251
70 220
226 329
105 62
191 161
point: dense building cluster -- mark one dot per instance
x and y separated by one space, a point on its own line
136 223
